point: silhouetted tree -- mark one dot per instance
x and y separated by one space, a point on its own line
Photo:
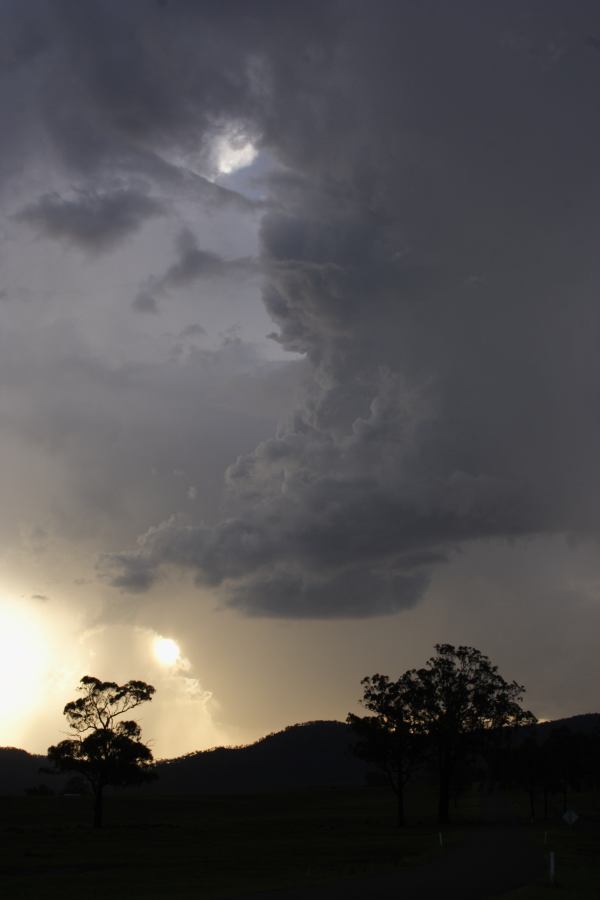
105 752
553 761
458 701
450 709
385 739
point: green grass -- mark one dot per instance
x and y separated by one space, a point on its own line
180 847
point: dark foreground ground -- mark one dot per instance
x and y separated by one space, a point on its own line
488 862
312 844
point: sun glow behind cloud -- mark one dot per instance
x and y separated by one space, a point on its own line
183 715
166 651
226 154
44 653
40 656
24 659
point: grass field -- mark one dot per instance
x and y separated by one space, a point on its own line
577 854
211 847
199 846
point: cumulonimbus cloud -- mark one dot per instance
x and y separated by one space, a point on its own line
429 244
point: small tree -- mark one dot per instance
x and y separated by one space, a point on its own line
104 751
386 738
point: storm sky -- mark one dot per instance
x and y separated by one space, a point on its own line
299 352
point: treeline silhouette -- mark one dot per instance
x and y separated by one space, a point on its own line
551 761
542 760
454 722
457 719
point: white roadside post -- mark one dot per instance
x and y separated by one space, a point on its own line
570 817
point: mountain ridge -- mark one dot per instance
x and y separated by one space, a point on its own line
308 754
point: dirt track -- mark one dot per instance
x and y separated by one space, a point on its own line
491 861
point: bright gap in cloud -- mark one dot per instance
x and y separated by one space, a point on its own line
233 153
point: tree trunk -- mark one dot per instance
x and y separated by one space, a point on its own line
444 798
400 821
98 808
532 802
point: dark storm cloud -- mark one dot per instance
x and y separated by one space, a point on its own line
22 38
318 515
433 253
430 243
128 90
95 220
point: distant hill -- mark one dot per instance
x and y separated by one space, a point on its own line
315 754
309 755
588 723
19 771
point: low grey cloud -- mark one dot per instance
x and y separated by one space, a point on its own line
145 302
192 330
109 448
96 220
192 264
